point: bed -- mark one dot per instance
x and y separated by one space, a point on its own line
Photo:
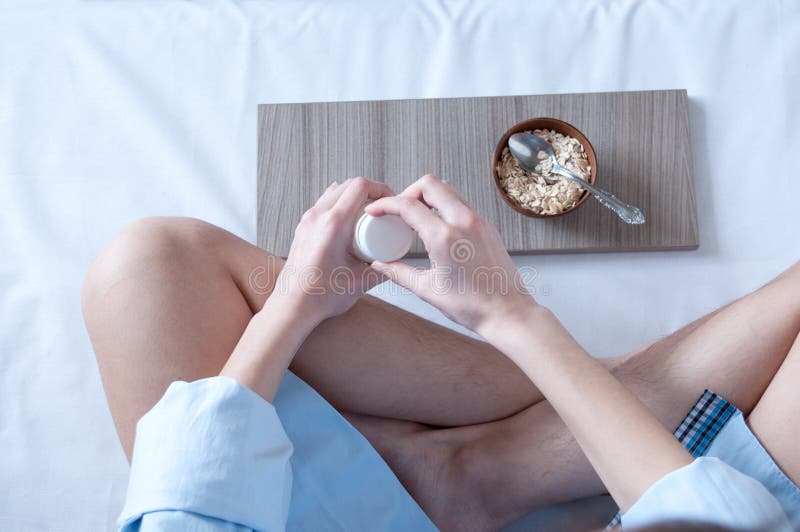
111 111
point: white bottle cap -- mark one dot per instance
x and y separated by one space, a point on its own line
386 238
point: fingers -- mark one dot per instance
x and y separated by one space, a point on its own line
399 273
440 196
413 212
356 192
370 277
330 196
449 185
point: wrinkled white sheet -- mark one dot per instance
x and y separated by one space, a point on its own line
110 111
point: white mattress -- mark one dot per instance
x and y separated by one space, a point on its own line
110 111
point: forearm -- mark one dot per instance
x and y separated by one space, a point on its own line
624 441
268 345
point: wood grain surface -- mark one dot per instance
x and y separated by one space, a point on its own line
641 139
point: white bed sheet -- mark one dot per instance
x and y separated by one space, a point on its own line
110 111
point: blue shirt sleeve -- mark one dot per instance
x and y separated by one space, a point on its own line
211 455
708 491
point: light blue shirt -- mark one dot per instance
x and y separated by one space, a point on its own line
212 455
708 491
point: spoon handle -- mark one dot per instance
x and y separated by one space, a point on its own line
628 213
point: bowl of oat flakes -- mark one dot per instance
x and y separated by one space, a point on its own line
542 194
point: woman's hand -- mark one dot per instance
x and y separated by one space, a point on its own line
321 276
472 278
320 279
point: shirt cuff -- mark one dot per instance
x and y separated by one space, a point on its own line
708 491
215 448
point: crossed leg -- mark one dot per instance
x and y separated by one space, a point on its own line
169 298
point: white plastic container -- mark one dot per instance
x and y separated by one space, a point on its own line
385 238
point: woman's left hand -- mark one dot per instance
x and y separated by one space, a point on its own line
321 275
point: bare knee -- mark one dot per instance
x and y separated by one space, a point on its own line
159 236
175 250
144 247
478 477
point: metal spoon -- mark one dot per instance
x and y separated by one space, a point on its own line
525 147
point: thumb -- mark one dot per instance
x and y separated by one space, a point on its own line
400 273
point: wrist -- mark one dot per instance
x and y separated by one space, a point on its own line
504 325
269 344
291 309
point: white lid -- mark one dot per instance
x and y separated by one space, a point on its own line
386 238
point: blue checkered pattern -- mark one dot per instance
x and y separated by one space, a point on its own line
699 428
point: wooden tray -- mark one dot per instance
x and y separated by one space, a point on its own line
641 140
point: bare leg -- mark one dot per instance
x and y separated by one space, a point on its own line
169 299
496 472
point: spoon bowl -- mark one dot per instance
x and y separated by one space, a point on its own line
526 147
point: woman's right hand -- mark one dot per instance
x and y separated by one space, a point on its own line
613 428
472 279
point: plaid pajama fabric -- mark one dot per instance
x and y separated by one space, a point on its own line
699 428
